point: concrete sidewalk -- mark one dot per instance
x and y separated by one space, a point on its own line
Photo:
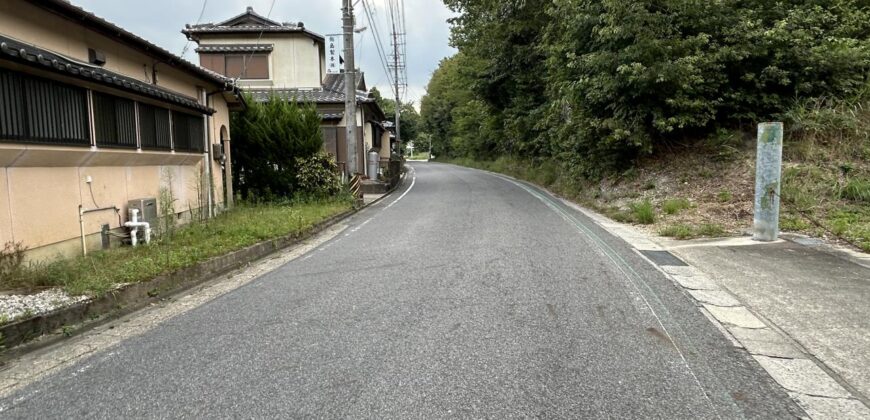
800 307
817 298
814 295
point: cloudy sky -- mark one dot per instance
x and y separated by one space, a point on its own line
426 25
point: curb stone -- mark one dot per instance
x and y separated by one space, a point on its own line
28 335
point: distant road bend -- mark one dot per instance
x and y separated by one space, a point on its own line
472 296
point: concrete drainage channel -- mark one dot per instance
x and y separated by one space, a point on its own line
819 391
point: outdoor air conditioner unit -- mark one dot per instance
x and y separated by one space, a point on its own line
147 210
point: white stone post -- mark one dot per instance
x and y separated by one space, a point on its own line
768 173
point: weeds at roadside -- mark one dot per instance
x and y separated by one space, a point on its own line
678 231
857 190
245 225
684 231
643 212
711 230
675 206
724 196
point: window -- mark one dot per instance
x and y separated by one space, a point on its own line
114 121
37 110
188 132
233 65
154 127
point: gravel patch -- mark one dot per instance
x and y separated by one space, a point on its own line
15 306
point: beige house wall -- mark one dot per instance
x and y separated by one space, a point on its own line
295 61
385 145
42 186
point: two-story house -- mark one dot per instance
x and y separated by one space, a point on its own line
288 60
93 118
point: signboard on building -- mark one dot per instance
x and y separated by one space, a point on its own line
333 54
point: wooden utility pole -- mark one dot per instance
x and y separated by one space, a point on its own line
349 88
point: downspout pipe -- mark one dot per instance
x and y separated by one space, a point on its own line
208 158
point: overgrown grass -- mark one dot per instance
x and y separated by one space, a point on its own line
643 212
674 206
245 225
685 231
419 156
857 190
678 231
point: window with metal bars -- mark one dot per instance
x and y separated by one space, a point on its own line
114 121
154 132
37 110
188 132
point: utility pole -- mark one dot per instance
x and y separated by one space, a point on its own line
396 81
349 87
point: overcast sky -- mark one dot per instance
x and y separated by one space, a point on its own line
161 23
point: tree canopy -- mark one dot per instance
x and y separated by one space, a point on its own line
410 117
598 83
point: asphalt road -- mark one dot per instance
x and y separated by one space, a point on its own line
470 297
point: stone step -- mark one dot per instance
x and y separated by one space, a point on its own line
374 187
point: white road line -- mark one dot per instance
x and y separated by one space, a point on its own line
413 181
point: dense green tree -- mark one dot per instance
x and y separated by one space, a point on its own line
503 37
410 116
269 139
598 83
444 109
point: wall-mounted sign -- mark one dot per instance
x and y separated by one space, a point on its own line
333 54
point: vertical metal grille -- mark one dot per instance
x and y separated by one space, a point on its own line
154 127
37 110
12 119
188 132
114 120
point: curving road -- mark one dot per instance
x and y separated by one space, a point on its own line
465 295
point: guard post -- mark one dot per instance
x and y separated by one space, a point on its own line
768 173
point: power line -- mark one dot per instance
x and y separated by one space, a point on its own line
377 35
198 20
377 39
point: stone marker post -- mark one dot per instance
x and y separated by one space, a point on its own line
768 172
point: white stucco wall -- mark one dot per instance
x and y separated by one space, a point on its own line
295 61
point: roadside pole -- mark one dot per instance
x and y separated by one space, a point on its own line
768 174
349 88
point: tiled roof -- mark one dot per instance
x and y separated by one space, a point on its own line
332 92
113 31
33 56
249 22
220 48
318 96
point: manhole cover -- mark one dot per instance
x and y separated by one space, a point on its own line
662 258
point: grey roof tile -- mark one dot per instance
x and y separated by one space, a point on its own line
36 57
235 48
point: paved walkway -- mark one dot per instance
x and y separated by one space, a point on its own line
801 308
819 299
